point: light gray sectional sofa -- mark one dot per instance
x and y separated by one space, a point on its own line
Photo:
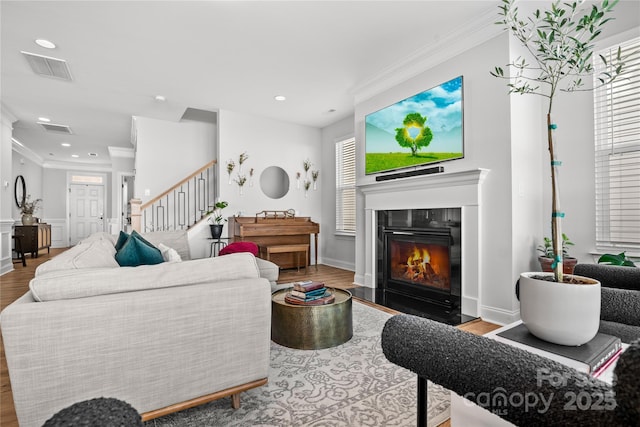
175 333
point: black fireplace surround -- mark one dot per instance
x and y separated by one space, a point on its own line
418 257
419 262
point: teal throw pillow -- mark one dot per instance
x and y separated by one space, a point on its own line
122 238
137 251
142 239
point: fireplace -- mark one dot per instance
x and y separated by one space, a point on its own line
446 200
419 261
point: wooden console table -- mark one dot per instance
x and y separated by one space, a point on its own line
34 237
277 231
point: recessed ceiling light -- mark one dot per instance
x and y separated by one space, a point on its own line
280 98
160 98
66 144
45 43
44 119
93 154
75 156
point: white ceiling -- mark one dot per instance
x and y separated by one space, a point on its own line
234 55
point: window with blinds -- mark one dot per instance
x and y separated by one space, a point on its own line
346 186
617 153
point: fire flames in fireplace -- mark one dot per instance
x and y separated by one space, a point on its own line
422 264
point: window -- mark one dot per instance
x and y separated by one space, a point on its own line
617 153
346 186
82 179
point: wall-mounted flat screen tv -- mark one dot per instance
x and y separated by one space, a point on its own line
423 129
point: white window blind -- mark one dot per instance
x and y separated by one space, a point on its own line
617 153
346 186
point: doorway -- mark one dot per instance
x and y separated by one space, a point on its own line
86 201
124 205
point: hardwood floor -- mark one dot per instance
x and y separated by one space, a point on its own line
16 283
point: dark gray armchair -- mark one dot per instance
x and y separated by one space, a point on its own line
488 373
620 307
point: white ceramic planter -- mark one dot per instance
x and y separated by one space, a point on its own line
560 313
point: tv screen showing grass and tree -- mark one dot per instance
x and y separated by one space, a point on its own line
423 129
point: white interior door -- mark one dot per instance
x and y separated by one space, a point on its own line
86 211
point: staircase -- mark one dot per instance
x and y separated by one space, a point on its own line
181 206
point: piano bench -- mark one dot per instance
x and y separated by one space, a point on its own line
267 250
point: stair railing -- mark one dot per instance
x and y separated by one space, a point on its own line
179 207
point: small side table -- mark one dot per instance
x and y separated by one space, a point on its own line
217 245
311 327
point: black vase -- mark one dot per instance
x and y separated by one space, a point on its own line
216 230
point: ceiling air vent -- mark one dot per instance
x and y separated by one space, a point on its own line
50 127
48 66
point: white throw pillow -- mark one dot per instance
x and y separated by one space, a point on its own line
169 254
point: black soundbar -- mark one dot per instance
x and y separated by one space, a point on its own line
406 174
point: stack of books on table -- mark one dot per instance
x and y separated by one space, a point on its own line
309 292
598 354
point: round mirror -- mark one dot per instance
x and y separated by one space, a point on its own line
274 182
20 191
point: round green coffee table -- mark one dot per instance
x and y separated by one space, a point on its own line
311 327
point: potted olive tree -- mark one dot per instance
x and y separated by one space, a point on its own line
560 42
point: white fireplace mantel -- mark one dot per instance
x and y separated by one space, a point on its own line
444 190
403 191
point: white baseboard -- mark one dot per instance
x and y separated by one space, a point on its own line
498 315
6 266
6 245
469 306
338 264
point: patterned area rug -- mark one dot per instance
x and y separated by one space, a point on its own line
349 385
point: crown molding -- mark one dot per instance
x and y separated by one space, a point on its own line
77 166
121 152
466 37
26 152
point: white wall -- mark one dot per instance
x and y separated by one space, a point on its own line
6 191
32 173
574 115
55 185
487 139
167 152
506 134
337 250
268 143
6 194
55 196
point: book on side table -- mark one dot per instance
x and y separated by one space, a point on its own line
326 298
307 286
597 354
309 293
